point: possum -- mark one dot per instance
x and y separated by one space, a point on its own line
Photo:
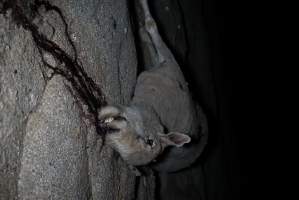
138 139
161 114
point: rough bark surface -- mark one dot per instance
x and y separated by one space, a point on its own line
47 149
21 88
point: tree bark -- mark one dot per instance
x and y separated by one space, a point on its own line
48 150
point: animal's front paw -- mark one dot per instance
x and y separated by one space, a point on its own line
110 119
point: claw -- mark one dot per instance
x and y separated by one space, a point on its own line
108 120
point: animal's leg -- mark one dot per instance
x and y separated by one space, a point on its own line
162 50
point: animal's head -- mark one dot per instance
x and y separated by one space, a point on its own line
136 134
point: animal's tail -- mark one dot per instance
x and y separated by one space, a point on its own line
149 34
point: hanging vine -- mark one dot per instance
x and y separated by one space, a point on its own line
69 67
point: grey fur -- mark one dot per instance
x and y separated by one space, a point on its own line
161 100
135 133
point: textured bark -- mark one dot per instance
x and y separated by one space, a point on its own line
47 149
21 88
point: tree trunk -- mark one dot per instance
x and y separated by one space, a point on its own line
48 150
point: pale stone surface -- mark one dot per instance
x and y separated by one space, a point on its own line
21 86
54 163
46 150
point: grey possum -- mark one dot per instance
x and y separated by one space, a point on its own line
136 135
161 114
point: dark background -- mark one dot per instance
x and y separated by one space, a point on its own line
209 47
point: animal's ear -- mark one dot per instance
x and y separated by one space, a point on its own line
108 112
174 139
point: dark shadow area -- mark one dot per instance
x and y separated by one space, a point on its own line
198 33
